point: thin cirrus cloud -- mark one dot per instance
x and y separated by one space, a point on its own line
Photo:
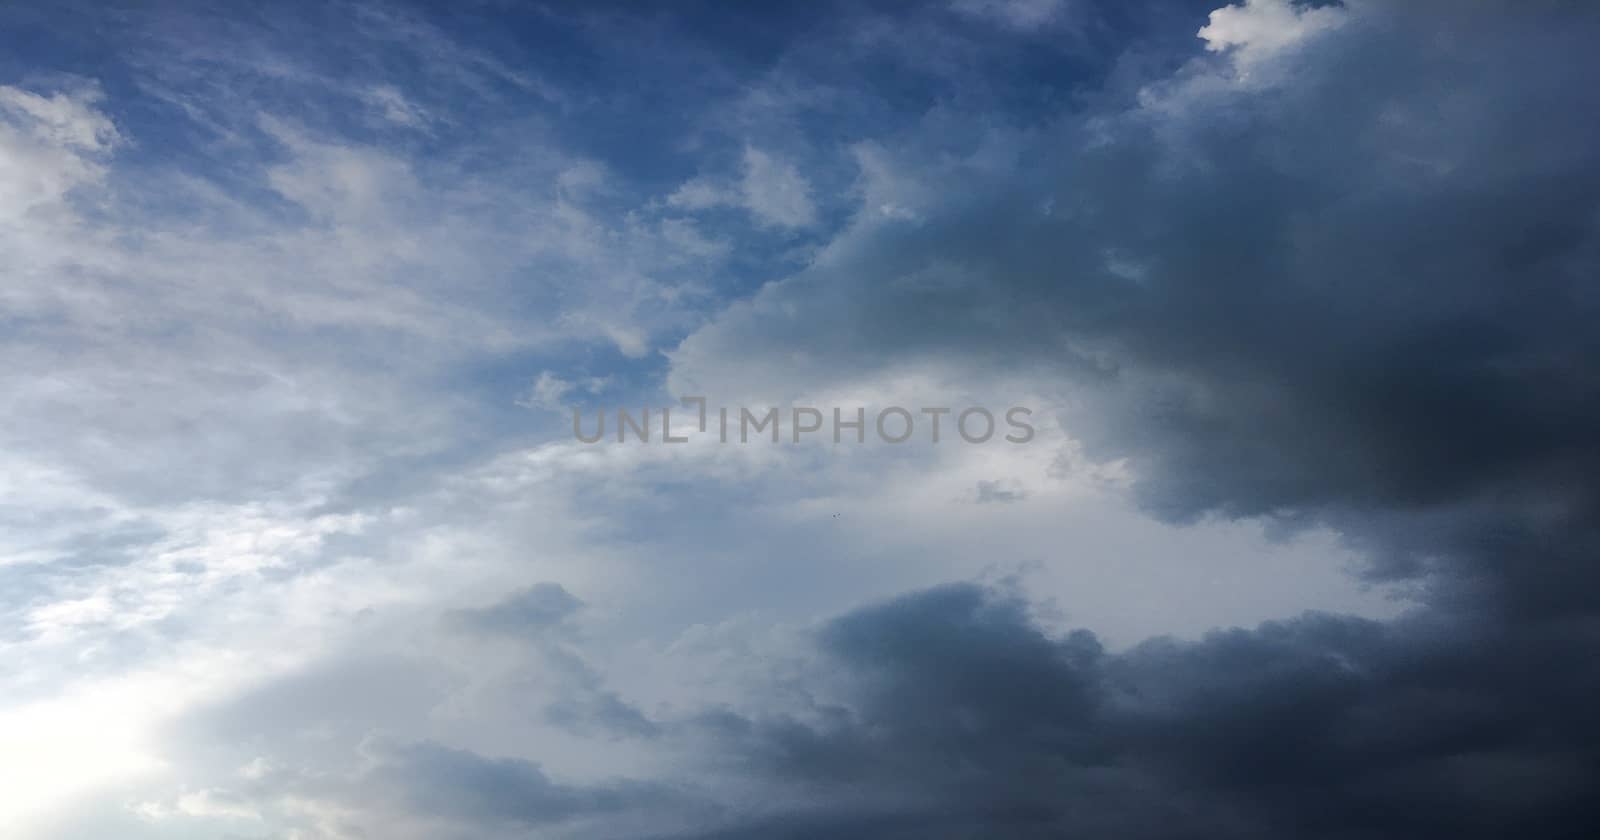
296 540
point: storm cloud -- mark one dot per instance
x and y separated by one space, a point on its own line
1342 272
1350 278
961 716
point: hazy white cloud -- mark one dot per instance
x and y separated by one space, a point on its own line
770 189
393 106
775 191
1018 14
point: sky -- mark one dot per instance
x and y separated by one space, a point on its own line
299 302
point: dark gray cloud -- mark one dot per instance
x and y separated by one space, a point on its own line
961 717
530 612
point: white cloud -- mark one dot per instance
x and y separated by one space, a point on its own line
1259 29
394 106
699 194
49 146
770 189
194 379
550 390
775 191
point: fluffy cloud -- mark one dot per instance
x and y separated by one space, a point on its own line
1257 29
951 713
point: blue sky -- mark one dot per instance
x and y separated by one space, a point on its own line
297 301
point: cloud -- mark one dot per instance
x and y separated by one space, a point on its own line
699 194
50 146
451 784
775 191
64 119
1353 291
1322 274
999 491
1257 29
541 616
532 611
412 789
770 189
393 106
550 391
1385 319
1018 14
951 712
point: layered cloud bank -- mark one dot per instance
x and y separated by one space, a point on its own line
297 542
1344 275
